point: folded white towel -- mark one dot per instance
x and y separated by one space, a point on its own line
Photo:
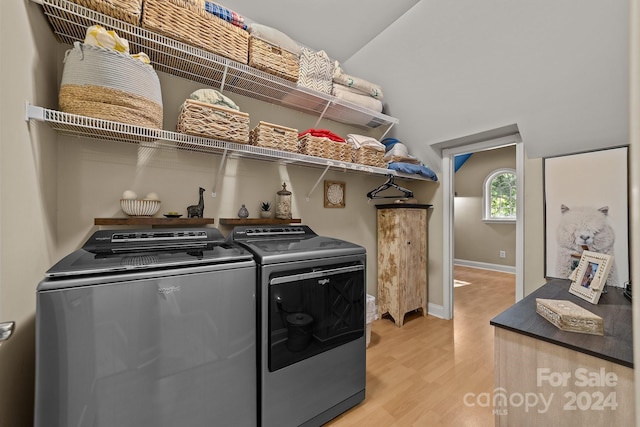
359 141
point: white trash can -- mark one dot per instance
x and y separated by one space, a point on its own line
372 314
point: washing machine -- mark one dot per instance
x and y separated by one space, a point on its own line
148 328
311 294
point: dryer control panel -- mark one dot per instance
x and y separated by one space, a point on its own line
273 231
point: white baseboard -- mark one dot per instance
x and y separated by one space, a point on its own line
486 266
435 310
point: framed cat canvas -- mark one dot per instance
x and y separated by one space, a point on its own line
586 208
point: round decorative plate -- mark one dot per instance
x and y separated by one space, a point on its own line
334 194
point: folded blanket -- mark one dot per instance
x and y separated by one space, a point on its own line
389 142
97 35
275 37
227 14
364 141
340 77
363 100
352 90
413 169
212 96
322 133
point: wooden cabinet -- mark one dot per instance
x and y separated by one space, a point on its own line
402 259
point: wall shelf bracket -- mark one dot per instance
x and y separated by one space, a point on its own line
224 78
33 112
324 111
219 174
317 182
386 131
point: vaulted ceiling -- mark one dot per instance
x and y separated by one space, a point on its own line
557 69
340 27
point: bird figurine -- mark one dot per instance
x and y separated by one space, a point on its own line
197 211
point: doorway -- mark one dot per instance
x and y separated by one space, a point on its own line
474 145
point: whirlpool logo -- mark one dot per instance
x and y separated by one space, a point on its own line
323 281
167 290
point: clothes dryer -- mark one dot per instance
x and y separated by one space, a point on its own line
311 293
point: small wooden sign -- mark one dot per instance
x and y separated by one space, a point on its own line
569 316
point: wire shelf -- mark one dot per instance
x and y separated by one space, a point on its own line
82 126
70 21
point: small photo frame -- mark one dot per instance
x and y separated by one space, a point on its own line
590 276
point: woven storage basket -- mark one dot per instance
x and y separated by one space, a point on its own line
124 10
186 22
316 71
369 156
326 148
279 137
211 121
102 83
273 59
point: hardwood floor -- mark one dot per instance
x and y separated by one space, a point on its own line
418 375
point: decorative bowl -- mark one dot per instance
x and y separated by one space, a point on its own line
145 207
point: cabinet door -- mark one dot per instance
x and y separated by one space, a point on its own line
413 258
388 261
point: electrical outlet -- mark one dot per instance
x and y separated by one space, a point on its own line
503 254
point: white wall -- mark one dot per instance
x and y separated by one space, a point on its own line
28 164
634 97
558 69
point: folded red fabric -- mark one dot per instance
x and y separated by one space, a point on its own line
322 133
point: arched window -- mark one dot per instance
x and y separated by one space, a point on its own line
499 196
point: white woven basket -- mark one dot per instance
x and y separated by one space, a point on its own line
104 83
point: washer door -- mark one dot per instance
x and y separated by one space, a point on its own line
164 348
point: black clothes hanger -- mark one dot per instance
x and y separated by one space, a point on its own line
373 194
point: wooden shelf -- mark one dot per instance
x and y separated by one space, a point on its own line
153 221
258 221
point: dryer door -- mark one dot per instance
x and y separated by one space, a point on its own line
313 311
